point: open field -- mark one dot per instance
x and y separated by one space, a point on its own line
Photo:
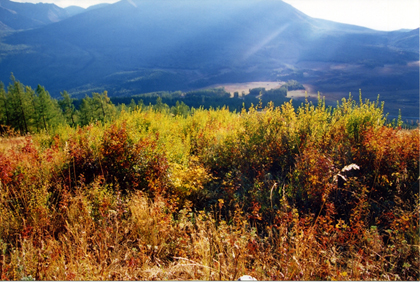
309 91
243 88
405 100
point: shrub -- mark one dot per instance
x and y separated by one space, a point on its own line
277 193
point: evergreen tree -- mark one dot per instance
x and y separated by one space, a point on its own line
99 108
140 104
132 106
47 110
160 106
20 105
4 115
180 109
34 119
68 108
103 107
86 113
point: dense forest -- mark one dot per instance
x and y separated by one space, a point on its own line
141 191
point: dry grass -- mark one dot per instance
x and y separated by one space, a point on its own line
7 143
214 197
148 245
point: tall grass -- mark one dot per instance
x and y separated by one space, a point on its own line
277 193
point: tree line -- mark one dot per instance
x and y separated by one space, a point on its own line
28 110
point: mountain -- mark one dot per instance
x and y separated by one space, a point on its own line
20 16
137 46
97 6
74 10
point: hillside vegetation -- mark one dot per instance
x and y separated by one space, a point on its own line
279 193
25 110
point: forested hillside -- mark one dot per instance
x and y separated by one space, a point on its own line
158 192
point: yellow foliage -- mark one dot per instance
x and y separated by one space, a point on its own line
190 178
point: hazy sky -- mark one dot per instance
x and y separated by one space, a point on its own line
376 14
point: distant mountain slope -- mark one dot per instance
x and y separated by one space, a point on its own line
4 27
97 6
74 10
136 46
27 15
405 40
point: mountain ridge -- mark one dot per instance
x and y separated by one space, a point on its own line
134 46
28 15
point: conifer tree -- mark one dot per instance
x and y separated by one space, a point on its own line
47 111
132 106
33 117
103 107
86 113
19 102
98 108
140 104
4 115
160 106
27 110
68 108
180 109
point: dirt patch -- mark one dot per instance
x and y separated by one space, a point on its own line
309 90
244 87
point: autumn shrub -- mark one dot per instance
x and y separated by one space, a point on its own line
129 165
27 180
279 193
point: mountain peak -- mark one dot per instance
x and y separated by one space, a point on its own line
20 16
185 44
97 6
131 2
